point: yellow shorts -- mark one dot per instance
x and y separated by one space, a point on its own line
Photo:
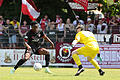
91 49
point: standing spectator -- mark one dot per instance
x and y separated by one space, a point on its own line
114 25
90 26
106 18
16 26
96 19
52 26
77 21
69 27
61 31
101 27
1 32
24 29
57 19
11 34
45 22
104 28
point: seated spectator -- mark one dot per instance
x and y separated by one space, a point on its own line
90 26
77 21
61 31
44 22
69 27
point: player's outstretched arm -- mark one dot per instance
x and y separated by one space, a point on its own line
74 43
47 39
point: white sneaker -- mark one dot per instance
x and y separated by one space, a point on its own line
12 71
47 70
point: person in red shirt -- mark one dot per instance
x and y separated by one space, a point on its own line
44 22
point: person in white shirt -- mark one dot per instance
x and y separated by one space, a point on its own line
102 27
90 26
77 21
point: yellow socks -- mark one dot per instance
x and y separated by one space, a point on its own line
95 64
76 59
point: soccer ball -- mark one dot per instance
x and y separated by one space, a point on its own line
37 66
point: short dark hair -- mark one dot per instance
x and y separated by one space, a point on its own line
33 23
80 26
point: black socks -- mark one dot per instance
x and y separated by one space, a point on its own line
20 62
80 66
47 59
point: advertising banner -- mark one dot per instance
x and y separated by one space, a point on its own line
110 56
63 53
11 57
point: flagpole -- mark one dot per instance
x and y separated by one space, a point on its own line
20 17
71 8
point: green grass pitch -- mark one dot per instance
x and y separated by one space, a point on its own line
28 73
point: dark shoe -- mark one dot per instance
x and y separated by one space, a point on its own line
102 73
79 71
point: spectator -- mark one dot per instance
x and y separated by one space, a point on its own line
96 19
24 29
90 26
61 31
113 21
45 22
106 18
102 27
11 34
114 25
57 19
52 26
51 33
69 27
1 32
15 24
77 21
99 26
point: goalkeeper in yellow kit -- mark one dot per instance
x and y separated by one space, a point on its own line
90 50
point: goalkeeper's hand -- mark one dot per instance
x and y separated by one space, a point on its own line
99 58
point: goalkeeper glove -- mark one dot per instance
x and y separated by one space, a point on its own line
99 58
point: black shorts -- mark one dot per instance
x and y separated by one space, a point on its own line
33 51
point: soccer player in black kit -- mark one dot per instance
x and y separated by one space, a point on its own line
32 43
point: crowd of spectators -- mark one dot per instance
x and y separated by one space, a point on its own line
12 33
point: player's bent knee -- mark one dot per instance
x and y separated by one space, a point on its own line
89 58
27 56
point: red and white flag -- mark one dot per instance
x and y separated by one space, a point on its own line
83 3
29 8
1 1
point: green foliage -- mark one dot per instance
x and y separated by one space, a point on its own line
113 9
49 7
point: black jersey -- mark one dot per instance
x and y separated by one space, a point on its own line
34 39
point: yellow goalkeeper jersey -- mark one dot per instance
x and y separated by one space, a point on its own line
85 37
